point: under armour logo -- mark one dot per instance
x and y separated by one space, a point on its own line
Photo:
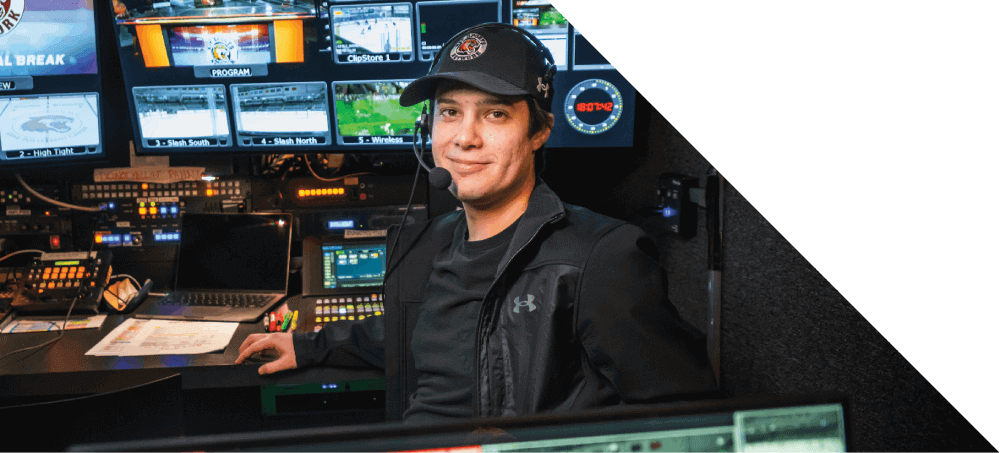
542 87
528 303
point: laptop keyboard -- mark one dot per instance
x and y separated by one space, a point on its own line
221 300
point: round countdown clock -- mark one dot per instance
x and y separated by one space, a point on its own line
593 106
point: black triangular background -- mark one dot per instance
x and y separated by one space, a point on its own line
810 122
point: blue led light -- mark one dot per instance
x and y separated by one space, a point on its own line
111 205
173 209
669 212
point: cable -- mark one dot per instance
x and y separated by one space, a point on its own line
406 213
62 332
55 202
306 159
20 252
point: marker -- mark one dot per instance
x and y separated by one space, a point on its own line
288 320
295 319
273 322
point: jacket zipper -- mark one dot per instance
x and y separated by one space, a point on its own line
479 324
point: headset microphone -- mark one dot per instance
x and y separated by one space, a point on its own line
438 178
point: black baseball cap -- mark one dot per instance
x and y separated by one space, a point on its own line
495 57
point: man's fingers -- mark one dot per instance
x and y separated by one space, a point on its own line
246 350
253 338
285 362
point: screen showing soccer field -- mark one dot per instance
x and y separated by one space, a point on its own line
39 38
182 116
353 265
281 114
49 127
440 20
546 23
372 33
368 113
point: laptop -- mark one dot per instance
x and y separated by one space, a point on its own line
230 267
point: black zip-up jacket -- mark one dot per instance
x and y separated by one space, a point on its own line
576 318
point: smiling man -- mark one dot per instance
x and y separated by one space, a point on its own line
517 304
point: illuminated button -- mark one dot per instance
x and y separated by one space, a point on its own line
52 285
319 319
142 211
302 192
48 270
326 319
80 269
145 186
153 210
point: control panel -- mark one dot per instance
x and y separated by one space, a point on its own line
54 282
341 308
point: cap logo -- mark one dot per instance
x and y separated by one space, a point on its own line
542 87
469 47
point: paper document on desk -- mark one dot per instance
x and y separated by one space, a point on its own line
32 324
161 336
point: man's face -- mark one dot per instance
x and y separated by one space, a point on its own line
482 140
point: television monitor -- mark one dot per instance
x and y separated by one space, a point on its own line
50 102
47 128
188 116
374 33
281 114
368 113
213 33
546 23
760 423
332 265
35 38
586 56
438 21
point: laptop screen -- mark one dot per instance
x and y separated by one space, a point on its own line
234 252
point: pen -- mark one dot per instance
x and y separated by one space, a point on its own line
288 320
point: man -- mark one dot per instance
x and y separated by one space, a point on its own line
518 304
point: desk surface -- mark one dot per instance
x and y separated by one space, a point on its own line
62 368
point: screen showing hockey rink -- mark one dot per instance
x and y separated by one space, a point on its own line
49 127
220 44
368 113
281 114
182 116
372 33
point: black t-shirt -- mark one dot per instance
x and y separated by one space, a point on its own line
444 339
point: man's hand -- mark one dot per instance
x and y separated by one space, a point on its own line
281 342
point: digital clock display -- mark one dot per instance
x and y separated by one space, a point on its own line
593 106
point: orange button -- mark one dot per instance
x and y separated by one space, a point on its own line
48 269
80 269
142 211
52 285
152 210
